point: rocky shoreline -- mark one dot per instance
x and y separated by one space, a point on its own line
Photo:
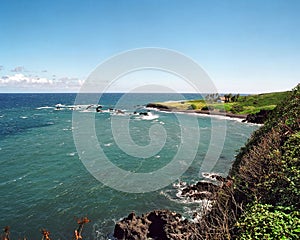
257 118
166 224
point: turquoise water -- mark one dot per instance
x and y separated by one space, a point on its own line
44 184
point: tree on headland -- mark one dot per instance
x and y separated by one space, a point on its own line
231 98
227 98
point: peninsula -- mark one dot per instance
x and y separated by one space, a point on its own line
251 108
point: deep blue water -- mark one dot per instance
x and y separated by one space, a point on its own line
44 183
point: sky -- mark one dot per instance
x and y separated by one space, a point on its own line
245 46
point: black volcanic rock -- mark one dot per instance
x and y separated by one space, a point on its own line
158 224
259 117
165 224
158 106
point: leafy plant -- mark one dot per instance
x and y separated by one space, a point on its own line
263 221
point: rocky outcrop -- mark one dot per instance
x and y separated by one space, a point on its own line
165 224
158 224
200 191
259 117
206 190
158 106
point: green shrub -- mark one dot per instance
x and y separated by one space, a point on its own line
236 108
206 108
193 106
263 221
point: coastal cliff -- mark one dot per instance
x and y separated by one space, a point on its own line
260 199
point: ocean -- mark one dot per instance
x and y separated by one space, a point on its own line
46 183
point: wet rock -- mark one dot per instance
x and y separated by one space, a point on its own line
158 224
165 224
201 190
132 227
158 106
258 118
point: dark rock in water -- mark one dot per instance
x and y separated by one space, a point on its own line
132 227
201 190
218 178
143 113
158 106
158 224
206 190
165 224
99 109
259 117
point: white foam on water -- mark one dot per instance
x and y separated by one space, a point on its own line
72 154
108 144
150 116
45 107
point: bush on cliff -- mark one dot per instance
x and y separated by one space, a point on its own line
264 221
267 176
267 167
264 201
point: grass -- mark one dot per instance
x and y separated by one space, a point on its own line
244 105
260 100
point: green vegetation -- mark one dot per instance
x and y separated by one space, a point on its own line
231 103
267 175
264 221
264 201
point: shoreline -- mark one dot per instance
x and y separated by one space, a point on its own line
257 118
203 112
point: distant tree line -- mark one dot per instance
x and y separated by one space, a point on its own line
215 97
231 98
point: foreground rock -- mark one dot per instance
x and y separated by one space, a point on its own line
165 224
158 224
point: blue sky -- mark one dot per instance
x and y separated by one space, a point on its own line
246 46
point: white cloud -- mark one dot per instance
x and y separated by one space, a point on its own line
20 78
20 82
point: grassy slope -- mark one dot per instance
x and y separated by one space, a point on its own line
267 175
246 104
264 200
